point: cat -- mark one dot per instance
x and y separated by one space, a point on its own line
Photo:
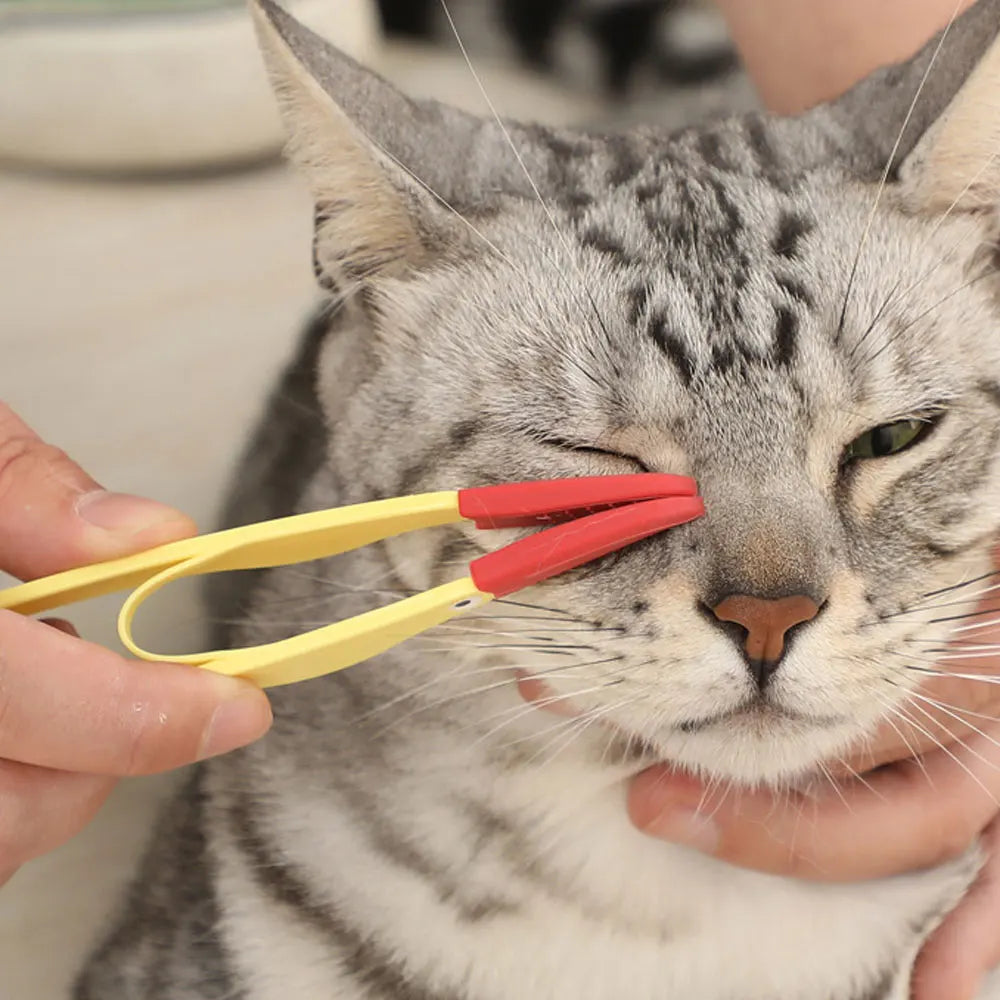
745 302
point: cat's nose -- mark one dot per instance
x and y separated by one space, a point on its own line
766 624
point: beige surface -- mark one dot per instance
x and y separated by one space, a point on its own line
139 326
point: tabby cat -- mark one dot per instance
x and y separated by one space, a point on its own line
744 302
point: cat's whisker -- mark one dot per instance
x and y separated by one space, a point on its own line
459 626
587 720
510 716
448 700
726 791
353 588
462 670
902 331
947 255
554 732
992 574
959 742
912 657
451 642
861 779
524 169
964 599
909 720
866 232
891 711
536 607
802 801
930 672
485 689
948 707
938 656
941 707
445 204
985 653
989 623
944 620
870 329
555 724
949 644
835 785
539 618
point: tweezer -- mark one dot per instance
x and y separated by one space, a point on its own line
582 519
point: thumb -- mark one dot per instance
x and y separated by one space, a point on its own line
53 516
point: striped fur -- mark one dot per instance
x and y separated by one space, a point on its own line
697 303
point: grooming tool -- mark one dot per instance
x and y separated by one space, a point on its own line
583 519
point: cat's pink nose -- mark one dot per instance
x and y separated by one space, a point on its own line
766 624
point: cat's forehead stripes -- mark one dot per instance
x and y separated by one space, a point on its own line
734 243
793 226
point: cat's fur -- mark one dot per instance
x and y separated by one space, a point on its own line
411 830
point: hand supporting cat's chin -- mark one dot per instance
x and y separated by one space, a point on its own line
756 743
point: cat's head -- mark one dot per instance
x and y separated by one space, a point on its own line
742 302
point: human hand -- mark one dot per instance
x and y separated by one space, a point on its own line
938 791
75 717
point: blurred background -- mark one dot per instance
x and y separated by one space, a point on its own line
155 267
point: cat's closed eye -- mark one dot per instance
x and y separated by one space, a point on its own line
890 439
567 445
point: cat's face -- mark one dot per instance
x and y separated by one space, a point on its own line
735 369
704 305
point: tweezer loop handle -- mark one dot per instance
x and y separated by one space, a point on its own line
321 651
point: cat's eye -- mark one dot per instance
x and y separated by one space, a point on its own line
586 449
888 439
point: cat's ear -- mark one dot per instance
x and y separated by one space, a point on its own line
936 113
371 217
956 164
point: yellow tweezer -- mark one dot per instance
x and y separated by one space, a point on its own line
599 515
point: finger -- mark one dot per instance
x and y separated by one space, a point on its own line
911 815
967 945
53 516
62 625
41 809
71 705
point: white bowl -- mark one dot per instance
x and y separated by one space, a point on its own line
125 89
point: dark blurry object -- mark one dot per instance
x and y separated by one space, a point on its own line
629 35
412 18
533 25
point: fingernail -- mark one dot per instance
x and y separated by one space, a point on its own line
123 513
235 723
687 827
61 625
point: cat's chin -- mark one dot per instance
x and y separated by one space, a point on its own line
759 715
758 742
759 746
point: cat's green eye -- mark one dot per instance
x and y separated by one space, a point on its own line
887 439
